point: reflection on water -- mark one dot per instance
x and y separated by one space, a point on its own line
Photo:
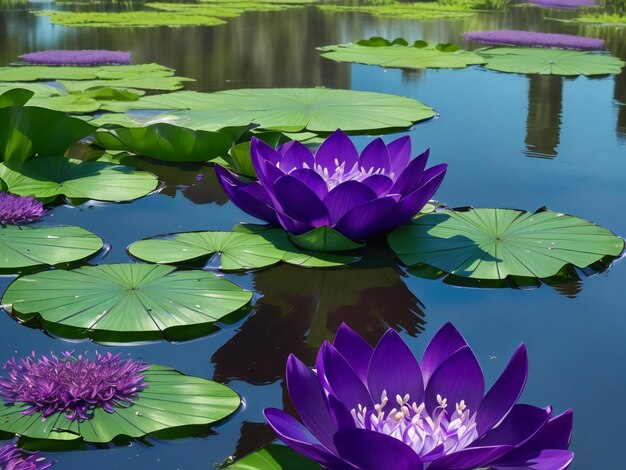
306 306
543 125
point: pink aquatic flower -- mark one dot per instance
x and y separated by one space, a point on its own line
75 386
20 210
506 37
78 57
13 458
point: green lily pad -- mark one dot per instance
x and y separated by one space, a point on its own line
26 131
141 83
421 55
14 97
492 244
132 299
30 246
237 251
246 247
79 104
292 254
284 109
166 142
274 457
30 73
49 177
549 61
324 239
169 400
409 11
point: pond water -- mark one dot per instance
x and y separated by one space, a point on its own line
512 141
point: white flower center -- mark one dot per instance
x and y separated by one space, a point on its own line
423 432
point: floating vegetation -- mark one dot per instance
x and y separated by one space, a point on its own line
601 19
28 73
550 61
136 301
246 247
493 244
33 246
411 421
274 457
535 39
205 13
357 196
411 11
47 178
564 4
77 57
283 109
398 53
166 399
166 142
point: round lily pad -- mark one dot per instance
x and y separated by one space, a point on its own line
274 457
491 244
30 246
132 299
169 400
108 72
285 109
248 246
49 177
420 55
549 61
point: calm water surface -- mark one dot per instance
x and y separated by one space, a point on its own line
511 141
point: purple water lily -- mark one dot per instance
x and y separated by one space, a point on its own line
534 39
77 57
20 210
377 408
357 195
564 4
75 386
13 458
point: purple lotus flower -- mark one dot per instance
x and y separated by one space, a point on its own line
357 195
79 57
75 386
20 210
371 409
13 458
564 4
532 39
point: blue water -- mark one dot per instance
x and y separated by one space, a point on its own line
571 159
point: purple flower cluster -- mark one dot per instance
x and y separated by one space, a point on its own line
13 458
79 57
533 39
357 195
19 210
72 385
372 408
564 4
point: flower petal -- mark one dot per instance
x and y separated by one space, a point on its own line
298 438
354 350
556 434
340 379
342 418
259 150
446 342
335 150
367 219
369 450
408 180
381 184
504 393
300 202
535 460
345 197
249 197
522 422
313 180
399 154
291 225
469 458
458 378
309 401
375 157
296 155
394 369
